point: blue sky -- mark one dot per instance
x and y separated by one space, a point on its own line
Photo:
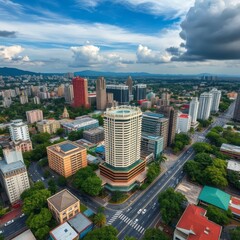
155 36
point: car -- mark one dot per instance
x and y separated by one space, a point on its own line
42 178
144 211
139 211
9 222
136 220
22 215
1 231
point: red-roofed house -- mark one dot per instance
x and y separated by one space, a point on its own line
194 225
183 123
234 206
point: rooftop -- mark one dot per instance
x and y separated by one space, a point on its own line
27 235
79 222
183 116
5 168
233 165
230 148
80 122
63 200
215 197
234 206
151 137
195 224
94 130
153 115
65 148
64 232
123 111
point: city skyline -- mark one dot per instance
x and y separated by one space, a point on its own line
153 36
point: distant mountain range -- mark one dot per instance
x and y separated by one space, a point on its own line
5 71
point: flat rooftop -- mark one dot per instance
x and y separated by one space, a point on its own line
153 115
62 200
230 148
65 148
189 190
94 130
81 122
64 232
79 222
123 111
233 165
5 168
27 235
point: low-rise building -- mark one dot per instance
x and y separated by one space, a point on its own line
63 205
48 126
233 166
230 150
80 123
26 235
94 135
63 232
194 225
66 158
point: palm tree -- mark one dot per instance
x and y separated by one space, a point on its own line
99 219
161 158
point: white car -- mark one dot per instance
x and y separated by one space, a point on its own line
1 231
144 211
139 211
136 220
22 215
9 222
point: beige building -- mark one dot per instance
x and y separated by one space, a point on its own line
49 126
63 205
66 158
101 94
13 172
34 116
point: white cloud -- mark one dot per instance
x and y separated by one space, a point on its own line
147 55
90 56
11 52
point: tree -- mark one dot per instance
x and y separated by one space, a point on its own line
153 171
203 159
154 234
36 201
129 238
42 232
104 233
234 179
215 177
82 175
62 181
171 204
117 196
46 174
75 135
200 147
218 216
41 138
235 233
92 185
193 170
60 132
52 187
99 219
29 192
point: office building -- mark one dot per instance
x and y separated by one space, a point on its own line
151 144
66 158
123 166
172 114
236 114
156 125
92 99
194 224
120 93
68 93
101 94
94 135
110 101
48 126
205 103
140 92
63 205
216 97
18 130
80 123
183 123
34 116
14 177
129 83
230 150
80 92
165 99
60 90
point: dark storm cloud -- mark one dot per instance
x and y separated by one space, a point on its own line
211 30
173 51
7 34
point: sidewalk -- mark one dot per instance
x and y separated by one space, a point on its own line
11 215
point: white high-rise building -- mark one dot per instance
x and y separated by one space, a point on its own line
122 127
183 123
68 93
19 130
205 103
193 110
216 99
13 173
122 131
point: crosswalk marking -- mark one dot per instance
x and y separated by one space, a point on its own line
114 217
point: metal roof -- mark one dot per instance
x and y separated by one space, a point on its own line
79 222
